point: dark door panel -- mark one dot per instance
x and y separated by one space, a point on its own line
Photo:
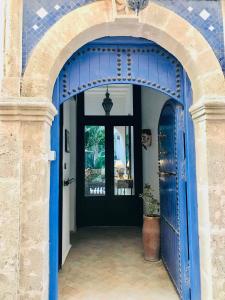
109 175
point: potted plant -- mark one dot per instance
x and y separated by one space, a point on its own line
151 225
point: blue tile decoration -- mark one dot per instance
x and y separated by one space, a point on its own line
39 16
205 15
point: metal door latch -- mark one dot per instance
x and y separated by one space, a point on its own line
68 181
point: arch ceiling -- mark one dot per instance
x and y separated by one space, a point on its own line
107 61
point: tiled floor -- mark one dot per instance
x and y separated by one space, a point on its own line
107 264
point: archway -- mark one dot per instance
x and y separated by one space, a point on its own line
202 67
131 61
155 23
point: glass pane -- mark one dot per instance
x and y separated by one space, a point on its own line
94 160
121 95
123 160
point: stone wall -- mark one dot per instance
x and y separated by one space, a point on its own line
24 198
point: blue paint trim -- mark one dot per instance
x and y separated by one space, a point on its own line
182 212
192 195
122 40
54 202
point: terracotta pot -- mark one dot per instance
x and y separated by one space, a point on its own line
151 238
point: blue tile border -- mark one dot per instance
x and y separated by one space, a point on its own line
205 15
211 28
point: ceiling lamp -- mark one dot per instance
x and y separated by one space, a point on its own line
107 103
137 5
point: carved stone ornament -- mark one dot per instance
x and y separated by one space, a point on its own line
137 5
122 7
129 7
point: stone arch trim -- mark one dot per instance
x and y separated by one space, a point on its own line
98 19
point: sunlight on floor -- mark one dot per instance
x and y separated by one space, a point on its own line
107 264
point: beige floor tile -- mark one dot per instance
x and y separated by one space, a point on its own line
107 264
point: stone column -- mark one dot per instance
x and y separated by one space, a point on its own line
24 197
209 119
11 32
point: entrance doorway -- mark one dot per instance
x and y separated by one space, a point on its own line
145 64
109 158
94 238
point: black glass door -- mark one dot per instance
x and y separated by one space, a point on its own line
109 168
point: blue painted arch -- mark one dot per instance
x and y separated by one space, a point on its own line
115 61
133 61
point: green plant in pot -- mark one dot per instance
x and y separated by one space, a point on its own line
151 224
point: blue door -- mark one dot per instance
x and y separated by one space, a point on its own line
174 235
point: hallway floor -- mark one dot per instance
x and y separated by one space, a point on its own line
108 264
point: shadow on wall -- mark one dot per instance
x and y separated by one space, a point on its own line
152 103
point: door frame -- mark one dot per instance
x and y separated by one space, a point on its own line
61 188
113 120
186 99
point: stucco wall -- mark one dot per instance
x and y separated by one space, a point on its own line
152 103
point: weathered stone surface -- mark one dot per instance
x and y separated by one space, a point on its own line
9 208
210 153
12 15
24 198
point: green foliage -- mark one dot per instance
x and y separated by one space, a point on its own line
150 203
95 146
100 161
94 135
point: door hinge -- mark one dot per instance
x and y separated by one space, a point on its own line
52 155
187 275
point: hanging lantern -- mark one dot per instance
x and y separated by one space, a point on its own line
107 103
137 5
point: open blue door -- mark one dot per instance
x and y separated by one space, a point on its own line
173 197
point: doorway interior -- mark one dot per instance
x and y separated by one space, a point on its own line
175 255
109 158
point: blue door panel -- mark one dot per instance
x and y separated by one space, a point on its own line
171 244
174 238
84 77
94 65
104 64
153 68
169 208
73 74
163 80
113 67
143 65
